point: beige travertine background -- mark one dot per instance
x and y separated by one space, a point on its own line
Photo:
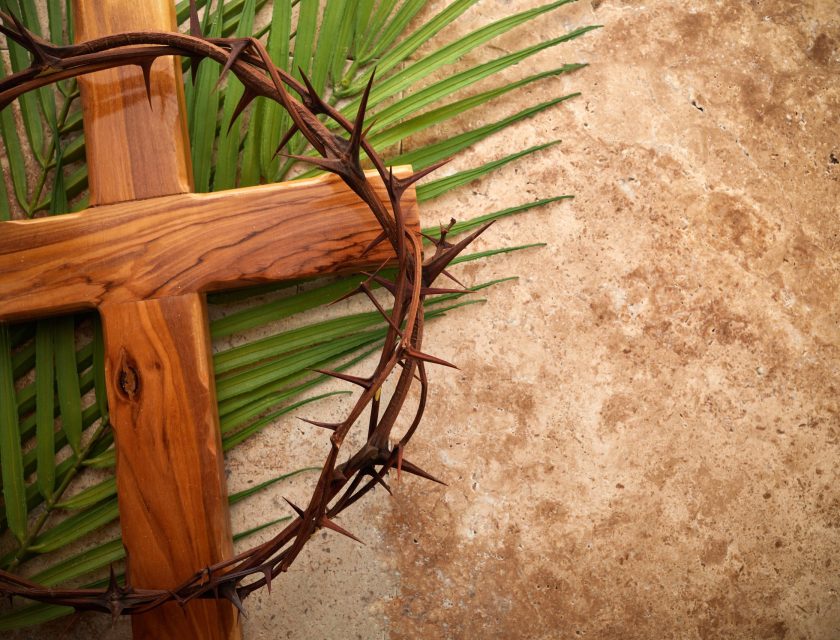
643 439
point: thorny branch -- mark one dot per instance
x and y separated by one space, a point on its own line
339 484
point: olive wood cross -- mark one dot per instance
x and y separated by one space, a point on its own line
144 255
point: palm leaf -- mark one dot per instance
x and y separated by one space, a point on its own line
466 226
336 42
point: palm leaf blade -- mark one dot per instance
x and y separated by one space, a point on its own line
442 185
236 438
474 223
14 154
91 496
432 153
76 526
11 456
203 125
45 407
396 26
67 378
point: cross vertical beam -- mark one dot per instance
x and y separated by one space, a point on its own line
170 476
161 391
137 152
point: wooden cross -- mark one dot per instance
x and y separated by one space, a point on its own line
145 254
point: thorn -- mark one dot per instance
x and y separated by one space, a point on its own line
146 66
195 25
456 281
312 100
194 62
400 185
244 101
297 509
399 460
382 482
412 468
236 49
361 288
324 425
329 524
419 355
286 138
327 164
444 231
375 242
356 135
268 578
437 263
356 291
389 286
380 309
229 592
362 382
433 291
369 127
113 596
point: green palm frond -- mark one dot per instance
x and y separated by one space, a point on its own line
53 410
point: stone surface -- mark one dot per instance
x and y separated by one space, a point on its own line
643 438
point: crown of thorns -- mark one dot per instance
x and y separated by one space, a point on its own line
339 485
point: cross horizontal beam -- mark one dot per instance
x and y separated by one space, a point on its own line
187 243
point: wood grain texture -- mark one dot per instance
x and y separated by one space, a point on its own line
144 147
170 477
187 243
171 486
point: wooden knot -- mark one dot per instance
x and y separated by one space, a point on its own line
129 381
128 378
